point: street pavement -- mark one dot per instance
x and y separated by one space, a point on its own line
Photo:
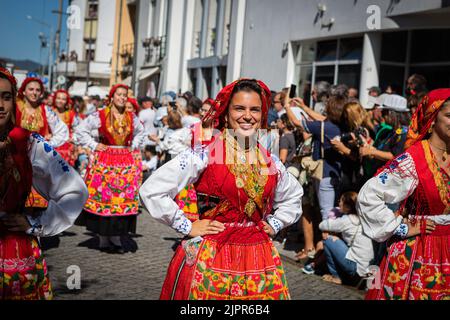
139 273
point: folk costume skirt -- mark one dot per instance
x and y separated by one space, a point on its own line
240 264
113 179
416 269
23 271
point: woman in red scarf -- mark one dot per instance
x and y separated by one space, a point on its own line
228 253
34 116
26 159
115 172
408 205
62 106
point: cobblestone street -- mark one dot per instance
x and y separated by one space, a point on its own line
139 273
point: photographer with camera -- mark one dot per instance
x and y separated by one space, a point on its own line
358 132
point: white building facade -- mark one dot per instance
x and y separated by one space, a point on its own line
206 44
187 45
92 40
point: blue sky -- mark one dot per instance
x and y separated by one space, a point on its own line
20 36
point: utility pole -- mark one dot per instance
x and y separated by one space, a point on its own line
118 40
58 31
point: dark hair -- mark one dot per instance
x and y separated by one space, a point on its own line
194 105
334 107
396 119
187 95
151 149
247 85
419 81
349 199
285 119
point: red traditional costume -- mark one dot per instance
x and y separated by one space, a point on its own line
113 176
23 271
240 262
44 122
416 267
67 150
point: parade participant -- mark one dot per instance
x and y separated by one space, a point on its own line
26 159
132 106
62 106
115 174
36 117
228 253
417 229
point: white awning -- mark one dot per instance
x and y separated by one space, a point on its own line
147 73
79 89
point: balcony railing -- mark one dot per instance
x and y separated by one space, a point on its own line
155 50
127 55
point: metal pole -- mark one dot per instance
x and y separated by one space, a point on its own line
118 40
58 32
89 57
50 62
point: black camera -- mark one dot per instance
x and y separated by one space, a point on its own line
357 133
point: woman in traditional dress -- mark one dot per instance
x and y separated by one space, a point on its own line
36 117
228 253
408 205
62 106
26 159
115 172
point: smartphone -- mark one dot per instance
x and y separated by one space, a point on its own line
292 91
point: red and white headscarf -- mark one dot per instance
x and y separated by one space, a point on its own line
113 91
220 106
26 82
425 115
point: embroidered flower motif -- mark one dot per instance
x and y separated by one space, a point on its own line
394 277
383 177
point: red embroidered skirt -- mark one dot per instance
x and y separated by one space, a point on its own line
243 265
113 179
416 269
23 271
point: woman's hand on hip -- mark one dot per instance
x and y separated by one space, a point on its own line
205 227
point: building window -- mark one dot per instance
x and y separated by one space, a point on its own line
211 32
197 34
429 55
335 61
90 55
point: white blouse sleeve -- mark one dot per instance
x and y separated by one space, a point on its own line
381 196
138 133
288 199
83 132
159 190
60 184
60 131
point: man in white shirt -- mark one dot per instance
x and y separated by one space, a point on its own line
147 117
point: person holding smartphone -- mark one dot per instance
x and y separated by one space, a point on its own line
327 188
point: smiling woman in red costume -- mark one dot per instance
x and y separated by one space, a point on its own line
26 159
228 253
36 117
62 106
408 205
114 176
